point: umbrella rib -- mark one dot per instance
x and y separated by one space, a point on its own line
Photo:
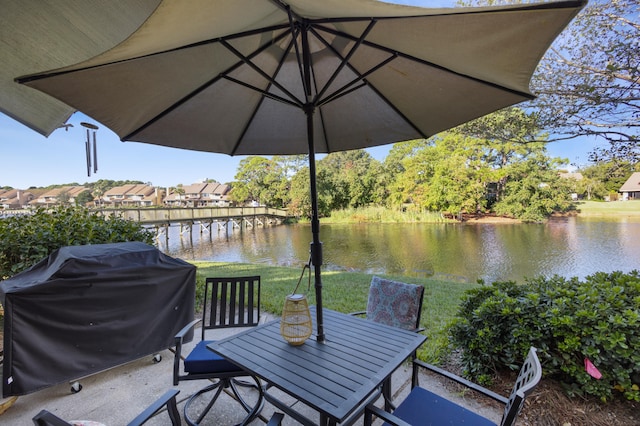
343 92
253 66
400 113
40 76
425 62
294 35
318 110
202 87
344 61
264 92
360 76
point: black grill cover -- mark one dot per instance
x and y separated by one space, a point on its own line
85 309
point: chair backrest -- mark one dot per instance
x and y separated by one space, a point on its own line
395 303
528 378
231 302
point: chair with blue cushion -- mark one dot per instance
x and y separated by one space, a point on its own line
228 303
422 407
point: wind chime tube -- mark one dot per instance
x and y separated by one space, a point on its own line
88 152
95 153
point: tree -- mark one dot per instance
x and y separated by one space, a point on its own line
507 136
589 82
535 190
452 172
83 198
180 191
263 180
610 174
448 174
300 204
353 178
401 183
590 188
291 164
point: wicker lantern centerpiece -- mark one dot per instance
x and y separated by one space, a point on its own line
296 325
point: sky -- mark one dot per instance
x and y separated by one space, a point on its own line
29 159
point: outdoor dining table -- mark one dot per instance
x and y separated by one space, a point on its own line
337 377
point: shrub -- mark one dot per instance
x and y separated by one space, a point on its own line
27 239
567 320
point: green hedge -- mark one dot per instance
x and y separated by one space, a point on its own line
568 320
27 239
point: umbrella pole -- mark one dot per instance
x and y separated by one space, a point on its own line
316 245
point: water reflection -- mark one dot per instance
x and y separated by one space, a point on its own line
564 246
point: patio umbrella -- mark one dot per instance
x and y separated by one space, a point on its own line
265 77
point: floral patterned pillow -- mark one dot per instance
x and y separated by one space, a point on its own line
394 303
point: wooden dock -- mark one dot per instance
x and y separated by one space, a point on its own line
206 218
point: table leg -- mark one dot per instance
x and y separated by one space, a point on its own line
325 420
386 394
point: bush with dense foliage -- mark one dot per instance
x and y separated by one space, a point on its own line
27 239
568 320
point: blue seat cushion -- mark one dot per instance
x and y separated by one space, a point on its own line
422 407
202 360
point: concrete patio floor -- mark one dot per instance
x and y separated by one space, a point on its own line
116 396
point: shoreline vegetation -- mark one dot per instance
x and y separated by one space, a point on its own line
612 209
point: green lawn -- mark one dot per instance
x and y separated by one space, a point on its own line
347 292
613 208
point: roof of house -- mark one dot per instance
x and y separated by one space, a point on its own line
195 188
576 176
203 188
632 184
130 189
70 190
76 190
220 189
15 197
118 190
7 194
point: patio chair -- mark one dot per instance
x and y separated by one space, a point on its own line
228 303
396 304
422 407
46 418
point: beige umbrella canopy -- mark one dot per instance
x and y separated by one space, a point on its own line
268 77
37 35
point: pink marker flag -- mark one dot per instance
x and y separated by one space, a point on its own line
591 369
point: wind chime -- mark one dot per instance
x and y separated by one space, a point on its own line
91 130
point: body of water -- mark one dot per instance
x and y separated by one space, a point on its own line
460 252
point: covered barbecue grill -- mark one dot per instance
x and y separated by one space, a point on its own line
85 309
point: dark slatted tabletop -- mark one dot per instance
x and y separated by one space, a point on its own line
334 377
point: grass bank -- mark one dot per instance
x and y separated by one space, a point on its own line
384 215
347 292
612 208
